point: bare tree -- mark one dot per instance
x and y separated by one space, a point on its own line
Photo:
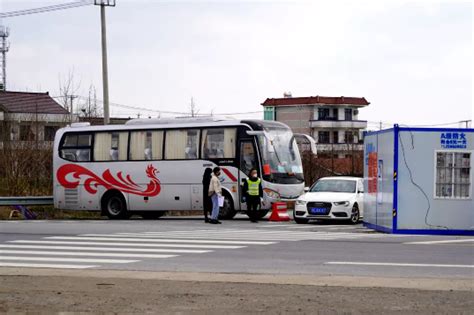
193 108
68 88
89 107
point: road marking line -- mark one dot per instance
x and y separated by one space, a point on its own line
56 266
273 225
111 249
59 253
441 242
301 227
145 238
78 260
396 264
128 244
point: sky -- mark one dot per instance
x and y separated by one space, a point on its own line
410 59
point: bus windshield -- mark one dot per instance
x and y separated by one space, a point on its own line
280 156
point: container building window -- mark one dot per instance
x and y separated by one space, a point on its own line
453 175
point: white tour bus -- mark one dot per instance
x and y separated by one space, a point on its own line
148 166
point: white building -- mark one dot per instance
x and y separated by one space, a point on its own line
332 121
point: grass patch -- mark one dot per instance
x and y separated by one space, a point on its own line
49 213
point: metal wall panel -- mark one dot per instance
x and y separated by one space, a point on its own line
418 207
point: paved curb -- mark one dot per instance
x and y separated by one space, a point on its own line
431 284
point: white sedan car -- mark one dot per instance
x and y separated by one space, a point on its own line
338 198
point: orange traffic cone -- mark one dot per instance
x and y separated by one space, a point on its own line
279 212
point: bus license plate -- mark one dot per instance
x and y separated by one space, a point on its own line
318 210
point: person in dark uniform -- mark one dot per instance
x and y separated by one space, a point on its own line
207 202
253 194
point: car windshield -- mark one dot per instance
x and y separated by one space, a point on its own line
335 185
281 157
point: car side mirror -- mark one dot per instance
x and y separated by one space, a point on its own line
306 189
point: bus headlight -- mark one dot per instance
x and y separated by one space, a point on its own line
300 202
342 203
271 193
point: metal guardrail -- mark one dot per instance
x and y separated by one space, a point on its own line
26 201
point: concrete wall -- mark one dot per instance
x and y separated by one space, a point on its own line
296 117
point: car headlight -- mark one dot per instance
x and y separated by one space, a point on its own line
342 203
301 203
271 193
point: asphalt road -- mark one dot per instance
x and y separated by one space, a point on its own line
237 246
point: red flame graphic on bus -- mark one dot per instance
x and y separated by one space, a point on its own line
123 183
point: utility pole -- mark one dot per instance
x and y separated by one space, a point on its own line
105 75
466 122
4 47
71 98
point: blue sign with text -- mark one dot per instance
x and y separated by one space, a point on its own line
453 140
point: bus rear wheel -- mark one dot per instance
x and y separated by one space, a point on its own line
114 206
227 212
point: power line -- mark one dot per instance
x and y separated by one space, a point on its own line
50 8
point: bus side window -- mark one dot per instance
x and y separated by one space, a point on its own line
76 147
182 144
218 143
110 146
146 145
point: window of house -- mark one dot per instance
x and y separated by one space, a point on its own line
323 137
110 146
76 147
269 113
26 133
146 145
348 114
335 137
182 144
453 175
323 113
50 132
348 137
218 143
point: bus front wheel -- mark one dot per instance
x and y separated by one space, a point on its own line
114 206
227 212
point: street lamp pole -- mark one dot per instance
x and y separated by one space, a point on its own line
105 74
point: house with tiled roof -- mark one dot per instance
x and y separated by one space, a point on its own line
30 117
332 121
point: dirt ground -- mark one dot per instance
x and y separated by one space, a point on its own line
54 294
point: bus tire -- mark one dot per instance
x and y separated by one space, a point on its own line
257 215
227 212
114 205
152 215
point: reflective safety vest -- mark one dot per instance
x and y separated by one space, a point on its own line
254 187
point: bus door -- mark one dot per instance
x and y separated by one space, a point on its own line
247 161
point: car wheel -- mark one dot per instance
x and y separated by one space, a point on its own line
115 207
299 220
355 214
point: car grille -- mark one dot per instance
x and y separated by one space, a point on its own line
325 205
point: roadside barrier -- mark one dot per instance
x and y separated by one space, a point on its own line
279 212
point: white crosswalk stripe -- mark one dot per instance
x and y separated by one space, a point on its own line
94 250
